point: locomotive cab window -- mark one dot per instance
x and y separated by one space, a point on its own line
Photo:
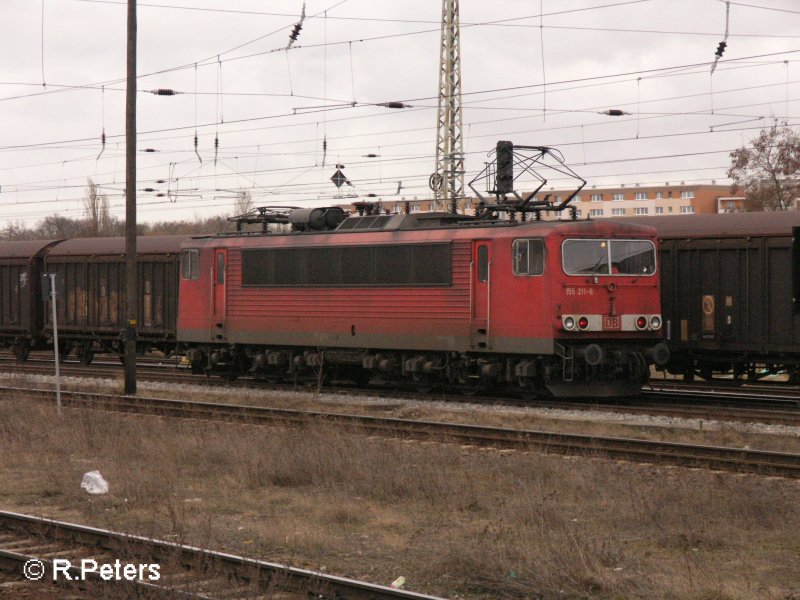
528 257
609 257
190 264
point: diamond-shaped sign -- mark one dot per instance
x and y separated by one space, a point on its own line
338 178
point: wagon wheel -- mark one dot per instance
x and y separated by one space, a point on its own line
85 355
21 351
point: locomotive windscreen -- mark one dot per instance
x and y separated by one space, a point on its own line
348 266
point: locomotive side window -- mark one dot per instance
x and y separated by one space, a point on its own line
190 264
220 267
609 257
350 266
528 257
483 264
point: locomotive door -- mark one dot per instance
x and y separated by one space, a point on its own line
481 294
218 297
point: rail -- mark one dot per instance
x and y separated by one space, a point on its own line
714 457
186 571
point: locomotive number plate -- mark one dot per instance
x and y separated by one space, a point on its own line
612 324
579 291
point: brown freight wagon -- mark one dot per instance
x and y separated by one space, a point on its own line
21 306
91 280
730 292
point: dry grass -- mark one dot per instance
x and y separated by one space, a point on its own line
454 521
589 423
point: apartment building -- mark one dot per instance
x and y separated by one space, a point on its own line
624 201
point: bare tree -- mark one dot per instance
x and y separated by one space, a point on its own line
96 209
769 170
243 203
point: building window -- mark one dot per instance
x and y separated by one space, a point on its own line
577 198
670 209
687 210
687 194
596 212
641 210
597 197
617 212
528 257
558 199
659 210
618 197
640 196
659 195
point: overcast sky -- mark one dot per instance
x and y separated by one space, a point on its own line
531 80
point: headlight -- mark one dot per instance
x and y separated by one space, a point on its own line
568 323
655 322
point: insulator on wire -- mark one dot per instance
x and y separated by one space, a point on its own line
295 33
148 189
163 92
102 143
195 148
614 112
150 150
216 148
395 105
721 49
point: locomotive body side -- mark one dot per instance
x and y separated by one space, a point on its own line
426 305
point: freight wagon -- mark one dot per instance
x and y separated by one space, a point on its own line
730 292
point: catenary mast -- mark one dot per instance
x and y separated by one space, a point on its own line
447 181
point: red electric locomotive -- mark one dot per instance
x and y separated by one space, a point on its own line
563 307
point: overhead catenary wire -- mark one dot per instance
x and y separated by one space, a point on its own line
296 121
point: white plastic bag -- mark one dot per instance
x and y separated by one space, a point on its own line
94 483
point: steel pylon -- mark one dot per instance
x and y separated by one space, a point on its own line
447 182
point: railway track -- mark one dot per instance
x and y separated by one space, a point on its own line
679 454
41 548
659 399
